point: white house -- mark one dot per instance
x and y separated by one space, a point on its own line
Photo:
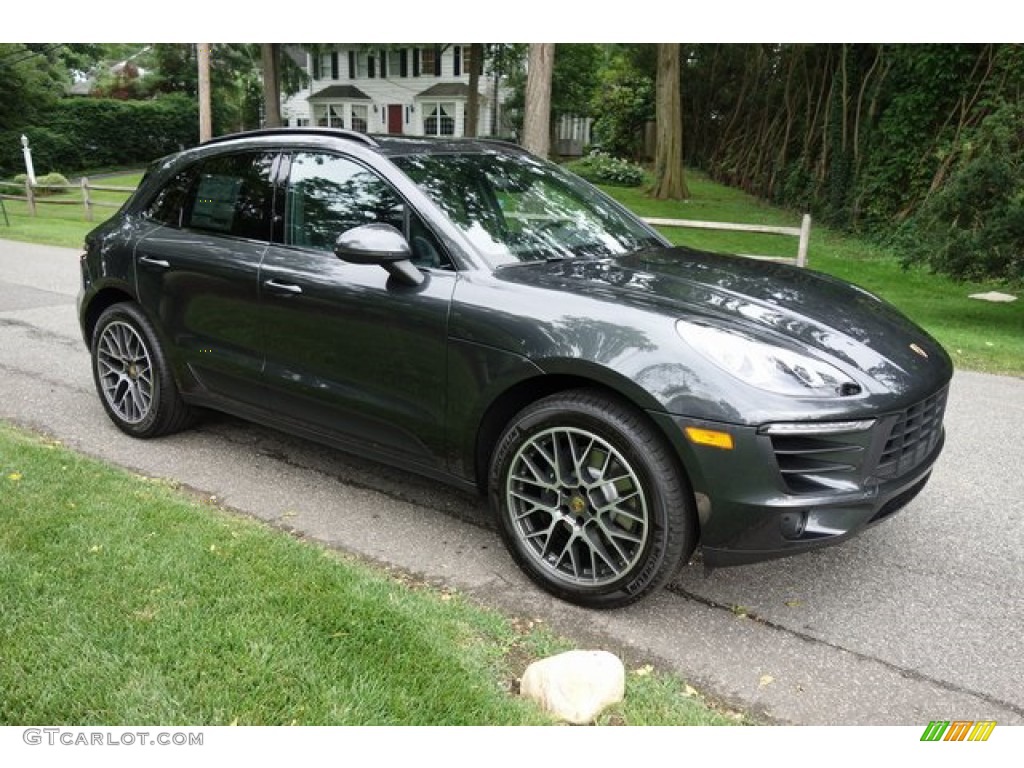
415 91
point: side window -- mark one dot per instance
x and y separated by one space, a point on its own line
328 195
168 207
234 196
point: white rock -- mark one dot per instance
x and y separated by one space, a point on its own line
577 685
993 296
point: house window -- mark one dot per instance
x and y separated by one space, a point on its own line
428 61
326 70
439 118
363 65
395 68
301 122
329 115
360 118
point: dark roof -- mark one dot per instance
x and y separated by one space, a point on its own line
339 92
448 90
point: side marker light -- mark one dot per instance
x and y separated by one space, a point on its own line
710 437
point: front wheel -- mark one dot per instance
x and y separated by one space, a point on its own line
590 501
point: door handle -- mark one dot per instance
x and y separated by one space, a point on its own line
150 261
282 288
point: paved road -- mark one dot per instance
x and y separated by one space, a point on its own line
916 620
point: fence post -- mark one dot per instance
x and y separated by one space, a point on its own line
30 197
85 198
805 238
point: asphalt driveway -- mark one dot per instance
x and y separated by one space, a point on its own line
918 619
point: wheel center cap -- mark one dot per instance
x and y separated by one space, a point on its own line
577 505
133 371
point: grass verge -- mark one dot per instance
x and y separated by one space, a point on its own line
125 601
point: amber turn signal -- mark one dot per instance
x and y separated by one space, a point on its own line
711 437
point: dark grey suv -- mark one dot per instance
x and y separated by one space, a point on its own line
469 312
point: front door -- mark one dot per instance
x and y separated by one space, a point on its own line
395 118
349 352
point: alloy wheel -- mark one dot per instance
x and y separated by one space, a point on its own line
577 506
125 372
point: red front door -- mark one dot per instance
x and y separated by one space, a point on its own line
394 118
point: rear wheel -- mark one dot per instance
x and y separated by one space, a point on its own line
589 500
132 376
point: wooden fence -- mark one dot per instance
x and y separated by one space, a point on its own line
33 198
803 232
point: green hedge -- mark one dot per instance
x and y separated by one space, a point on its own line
87 133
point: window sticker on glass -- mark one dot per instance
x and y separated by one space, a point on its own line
214 208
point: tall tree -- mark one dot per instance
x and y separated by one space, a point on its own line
32 77
537 118
669 177
270 54
476 60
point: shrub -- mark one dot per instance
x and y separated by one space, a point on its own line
972 227
624 103
601 168
51 184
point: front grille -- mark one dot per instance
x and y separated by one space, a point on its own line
913 437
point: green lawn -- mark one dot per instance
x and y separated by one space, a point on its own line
124 601
64 223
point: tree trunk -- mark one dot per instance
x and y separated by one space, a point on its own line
476 58
270 53
537 120
669 179
205 114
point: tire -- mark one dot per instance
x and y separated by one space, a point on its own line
590 501
132 376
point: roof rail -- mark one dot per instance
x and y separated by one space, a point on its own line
340 133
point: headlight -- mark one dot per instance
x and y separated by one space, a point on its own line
765 366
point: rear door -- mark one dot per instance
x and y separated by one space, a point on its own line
198 272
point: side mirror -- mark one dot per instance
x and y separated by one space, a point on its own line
379 244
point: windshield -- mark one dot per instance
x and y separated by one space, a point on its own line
517 208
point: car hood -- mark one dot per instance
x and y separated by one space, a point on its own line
775 302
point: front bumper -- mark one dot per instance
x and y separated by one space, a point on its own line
772 497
